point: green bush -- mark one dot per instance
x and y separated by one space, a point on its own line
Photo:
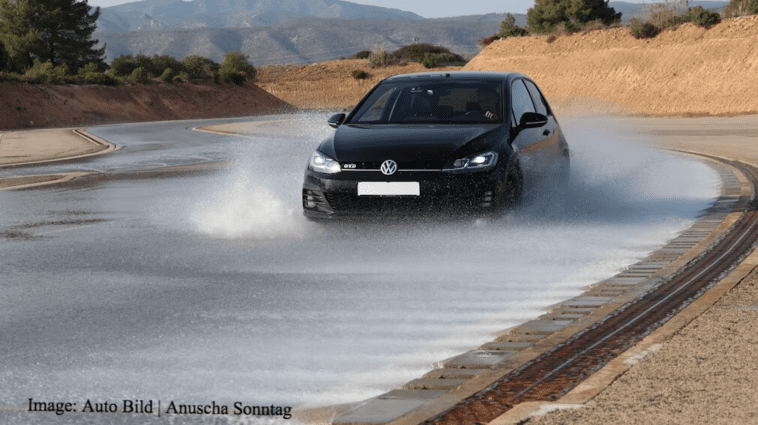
508 28
429 61
139 76
199 68
168 75
703 17
236 78
122 66
5 59
44 72
160 63
676 21
98 78
146 62
741 8
360 74
363 54
417 52
545 16
7 76
236 69
642 29
426 54
380 59
91 67
489 40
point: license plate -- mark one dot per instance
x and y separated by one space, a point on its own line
388 189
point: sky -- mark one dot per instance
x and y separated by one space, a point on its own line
426 8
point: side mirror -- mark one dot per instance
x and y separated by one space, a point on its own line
336 120
532 120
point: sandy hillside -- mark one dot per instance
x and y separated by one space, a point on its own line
328 84
41 105
685 71
689 70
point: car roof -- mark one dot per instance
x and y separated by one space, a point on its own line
458 76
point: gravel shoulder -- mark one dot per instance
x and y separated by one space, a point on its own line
706 372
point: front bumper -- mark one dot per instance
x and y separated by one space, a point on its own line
326 196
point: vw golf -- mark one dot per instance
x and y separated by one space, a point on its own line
471 141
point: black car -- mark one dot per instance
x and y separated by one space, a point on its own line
437 142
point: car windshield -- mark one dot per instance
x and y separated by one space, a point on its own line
432 102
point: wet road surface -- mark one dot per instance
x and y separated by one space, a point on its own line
211 286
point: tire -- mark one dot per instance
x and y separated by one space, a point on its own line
509 192
514 188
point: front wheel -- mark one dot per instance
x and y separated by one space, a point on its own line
513 189
508 193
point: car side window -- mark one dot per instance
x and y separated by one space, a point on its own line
521 100
539 100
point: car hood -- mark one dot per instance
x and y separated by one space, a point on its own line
406 143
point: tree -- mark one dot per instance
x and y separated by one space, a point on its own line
741 8
547 14
508 28
122 66
17 33
235 68
199 68
55 31
66 28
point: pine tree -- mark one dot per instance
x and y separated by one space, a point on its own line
17 33
547 14
63 31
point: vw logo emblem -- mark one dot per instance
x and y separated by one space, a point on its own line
388 167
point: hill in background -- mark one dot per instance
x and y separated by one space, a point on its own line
306 40
292 31
172 14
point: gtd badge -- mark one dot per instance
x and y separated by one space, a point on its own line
389 167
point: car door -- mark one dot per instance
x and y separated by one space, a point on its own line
538 149
555 139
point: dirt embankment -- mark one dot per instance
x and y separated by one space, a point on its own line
684 71
35 106
689 70
328 84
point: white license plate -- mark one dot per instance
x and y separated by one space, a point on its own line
388 189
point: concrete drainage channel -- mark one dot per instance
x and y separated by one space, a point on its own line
465 388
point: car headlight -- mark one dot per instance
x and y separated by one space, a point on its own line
479 162
321 163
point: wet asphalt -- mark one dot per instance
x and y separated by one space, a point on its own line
208 286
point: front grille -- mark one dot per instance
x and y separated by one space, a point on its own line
432 166
348 202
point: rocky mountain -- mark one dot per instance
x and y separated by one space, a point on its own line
293 31
173 14
305 40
